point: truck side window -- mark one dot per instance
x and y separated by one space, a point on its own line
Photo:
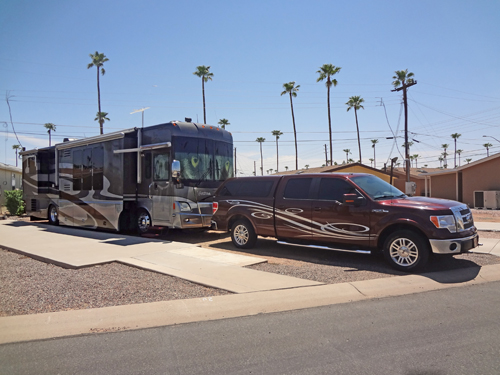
333 189
230 189
297 188
258 189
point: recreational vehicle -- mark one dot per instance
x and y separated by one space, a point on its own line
163 175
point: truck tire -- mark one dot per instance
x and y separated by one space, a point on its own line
243 235
406 251
53 215
143 222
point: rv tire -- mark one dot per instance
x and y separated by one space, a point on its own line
143 222
53 215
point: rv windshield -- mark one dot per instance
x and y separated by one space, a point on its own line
203 159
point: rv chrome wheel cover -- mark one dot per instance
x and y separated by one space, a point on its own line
144 222
403 252
241 235
53 214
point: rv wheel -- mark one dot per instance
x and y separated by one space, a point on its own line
53 216
143 222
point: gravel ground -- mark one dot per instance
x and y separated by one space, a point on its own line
28 286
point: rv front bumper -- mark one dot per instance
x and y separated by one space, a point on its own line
189 220
455 245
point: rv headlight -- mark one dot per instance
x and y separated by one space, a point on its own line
445 221
184 207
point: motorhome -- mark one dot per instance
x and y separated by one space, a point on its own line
135 179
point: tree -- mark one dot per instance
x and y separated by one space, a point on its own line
203 72
487 145
371 161
291 89
455 136
459 152
412 157
374 142
98 60
15 148
468 160
307 166
347 152
441 159
355 102
260 140
445 154
223 123
50 128
277 134
326 71
101 117
415 157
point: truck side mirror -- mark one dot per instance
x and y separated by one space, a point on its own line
353 200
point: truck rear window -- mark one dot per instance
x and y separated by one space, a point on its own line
297 188
245 188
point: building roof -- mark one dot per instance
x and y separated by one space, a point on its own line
466 166
7 167
334 168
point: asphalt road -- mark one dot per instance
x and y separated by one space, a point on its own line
452 331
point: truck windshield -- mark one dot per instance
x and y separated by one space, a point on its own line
377 188
203 159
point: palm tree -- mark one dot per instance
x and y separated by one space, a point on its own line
98 60
277 134
15 148
371 161
223 123
260 140
291 89
307 166
326 71
459 152
415 157
101 117
441 159
203 72
286 167
351 160
455 136
355 102
374 142
347 152
50 128
487 145
468 160
445 154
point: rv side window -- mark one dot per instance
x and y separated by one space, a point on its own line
87 169
31 165
97 168
77 170
161 166
297 188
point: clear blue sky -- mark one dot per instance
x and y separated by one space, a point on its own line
154 47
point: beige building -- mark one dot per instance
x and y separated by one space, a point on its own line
10 179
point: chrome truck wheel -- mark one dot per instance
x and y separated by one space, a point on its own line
406 251
243 234
143 222
53 216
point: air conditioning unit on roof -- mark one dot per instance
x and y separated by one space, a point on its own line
487 199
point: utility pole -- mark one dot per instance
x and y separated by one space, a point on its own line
235 170
404 87
326 157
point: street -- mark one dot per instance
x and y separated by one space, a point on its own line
450 331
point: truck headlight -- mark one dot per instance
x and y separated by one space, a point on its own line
184 207
445 221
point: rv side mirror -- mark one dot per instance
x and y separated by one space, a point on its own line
176 169
353 200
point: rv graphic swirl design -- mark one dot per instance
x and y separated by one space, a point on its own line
293 219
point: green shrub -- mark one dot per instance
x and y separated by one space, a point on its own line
14 202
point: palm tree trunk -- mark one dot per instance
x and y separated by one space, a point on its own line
455 152
99 102
295 135
359 142
203 91
277 156
374 160
261 161
49 139
329 123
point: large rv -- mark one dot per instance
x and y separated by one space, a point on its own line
163 175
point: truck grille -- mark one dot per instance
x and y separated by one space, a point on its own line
467 219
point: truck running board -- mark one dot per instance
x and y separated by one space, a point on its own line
325 248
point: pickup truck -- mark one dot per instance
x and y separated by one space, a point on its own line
353 212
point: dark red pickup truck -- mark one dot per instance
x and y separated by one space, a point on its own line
343 211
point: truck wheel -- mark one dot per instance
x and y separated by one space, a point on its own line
243 234
406 251
143 222
53 216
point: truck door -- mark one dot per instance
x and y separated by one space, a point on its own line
158 190
335 223
293 208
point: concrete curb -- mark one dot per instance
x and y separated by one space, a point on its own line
157 314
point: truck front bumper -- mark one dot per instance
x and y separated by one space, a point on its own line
455 245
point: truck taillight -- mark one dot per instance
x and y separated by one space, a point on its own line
215 207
